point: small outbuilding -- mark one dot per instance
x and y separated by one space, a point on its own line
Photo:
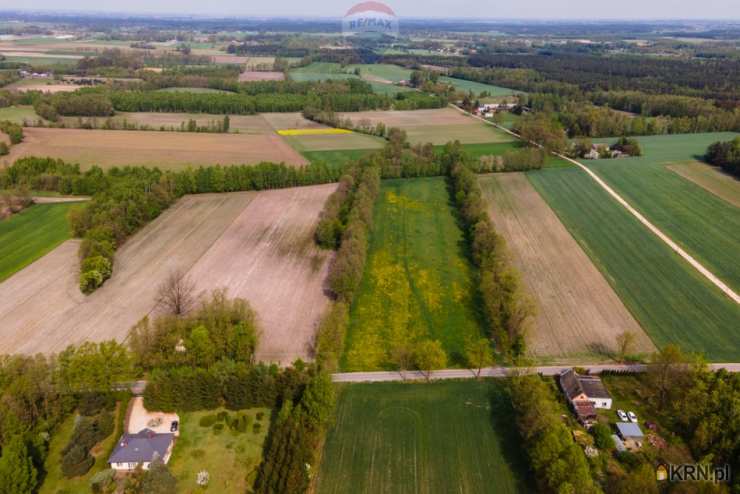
631 435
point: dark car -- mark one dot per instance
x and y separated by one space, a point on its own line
173 427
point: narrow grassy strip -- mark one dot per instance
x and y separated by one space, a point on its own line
30 234
312 132
671 301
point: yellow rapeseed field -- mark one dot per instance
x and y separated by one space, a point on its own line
312 132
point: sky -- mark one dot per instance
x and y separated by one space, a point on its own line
489 9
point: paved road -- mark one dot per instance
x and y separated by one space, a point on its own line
550 370
656 231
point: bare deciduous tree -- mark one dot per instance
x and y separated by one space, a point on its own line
625 344
176 294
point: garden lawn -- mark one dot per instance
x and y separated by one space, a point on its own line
230 458
702 223
55 482
420 438
418 283
670 299
30 234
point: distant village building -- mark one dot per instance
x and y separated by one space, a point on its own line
585 394
631 435
142 449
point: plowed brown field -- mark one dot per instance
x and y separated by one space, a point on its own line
256 245
578 312
170 150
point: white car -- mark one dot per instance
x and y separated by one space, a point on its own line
632 416
622 416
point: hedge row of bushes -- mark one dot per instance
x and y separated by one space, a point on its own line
235 386
507 308
13 130
346 269
293 443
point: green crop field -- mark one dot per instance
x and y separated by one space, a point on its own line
478 87
418 282
669 298
390 72
373 73
28 235
702 223
419 438
336 158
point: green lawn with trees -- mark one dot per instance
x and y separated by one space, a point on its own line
418 283
28 235
439 437
669 298
705 225
226 444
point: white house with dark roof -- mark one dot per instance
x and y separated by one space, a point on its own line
581 389
142 449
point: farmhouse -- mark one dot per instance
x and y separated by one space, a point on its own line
585 394
631 435
142 449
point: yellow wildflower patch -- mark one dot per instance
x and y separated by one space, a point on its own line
312 132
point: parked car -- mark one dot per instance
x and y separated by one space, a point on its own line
174 425
622 416
632 416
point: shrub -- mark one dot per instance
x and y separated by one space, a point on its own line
76 461
223 415
91 404
256 427
101 480
4 149
602 436
90 281
260 415
218 428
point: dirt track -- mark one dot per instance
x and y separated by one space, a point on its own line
257 245
579 313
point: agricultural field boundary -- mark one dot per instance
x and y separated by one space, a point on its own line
654 229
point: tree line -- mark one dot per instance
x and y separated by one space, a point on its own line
508 309
559 464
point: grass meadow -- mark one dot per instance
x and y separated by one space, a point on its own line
454 436
670 299
28 235
418 282
704 224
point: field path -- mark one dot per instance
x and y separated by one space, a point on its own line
654 229
579 312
